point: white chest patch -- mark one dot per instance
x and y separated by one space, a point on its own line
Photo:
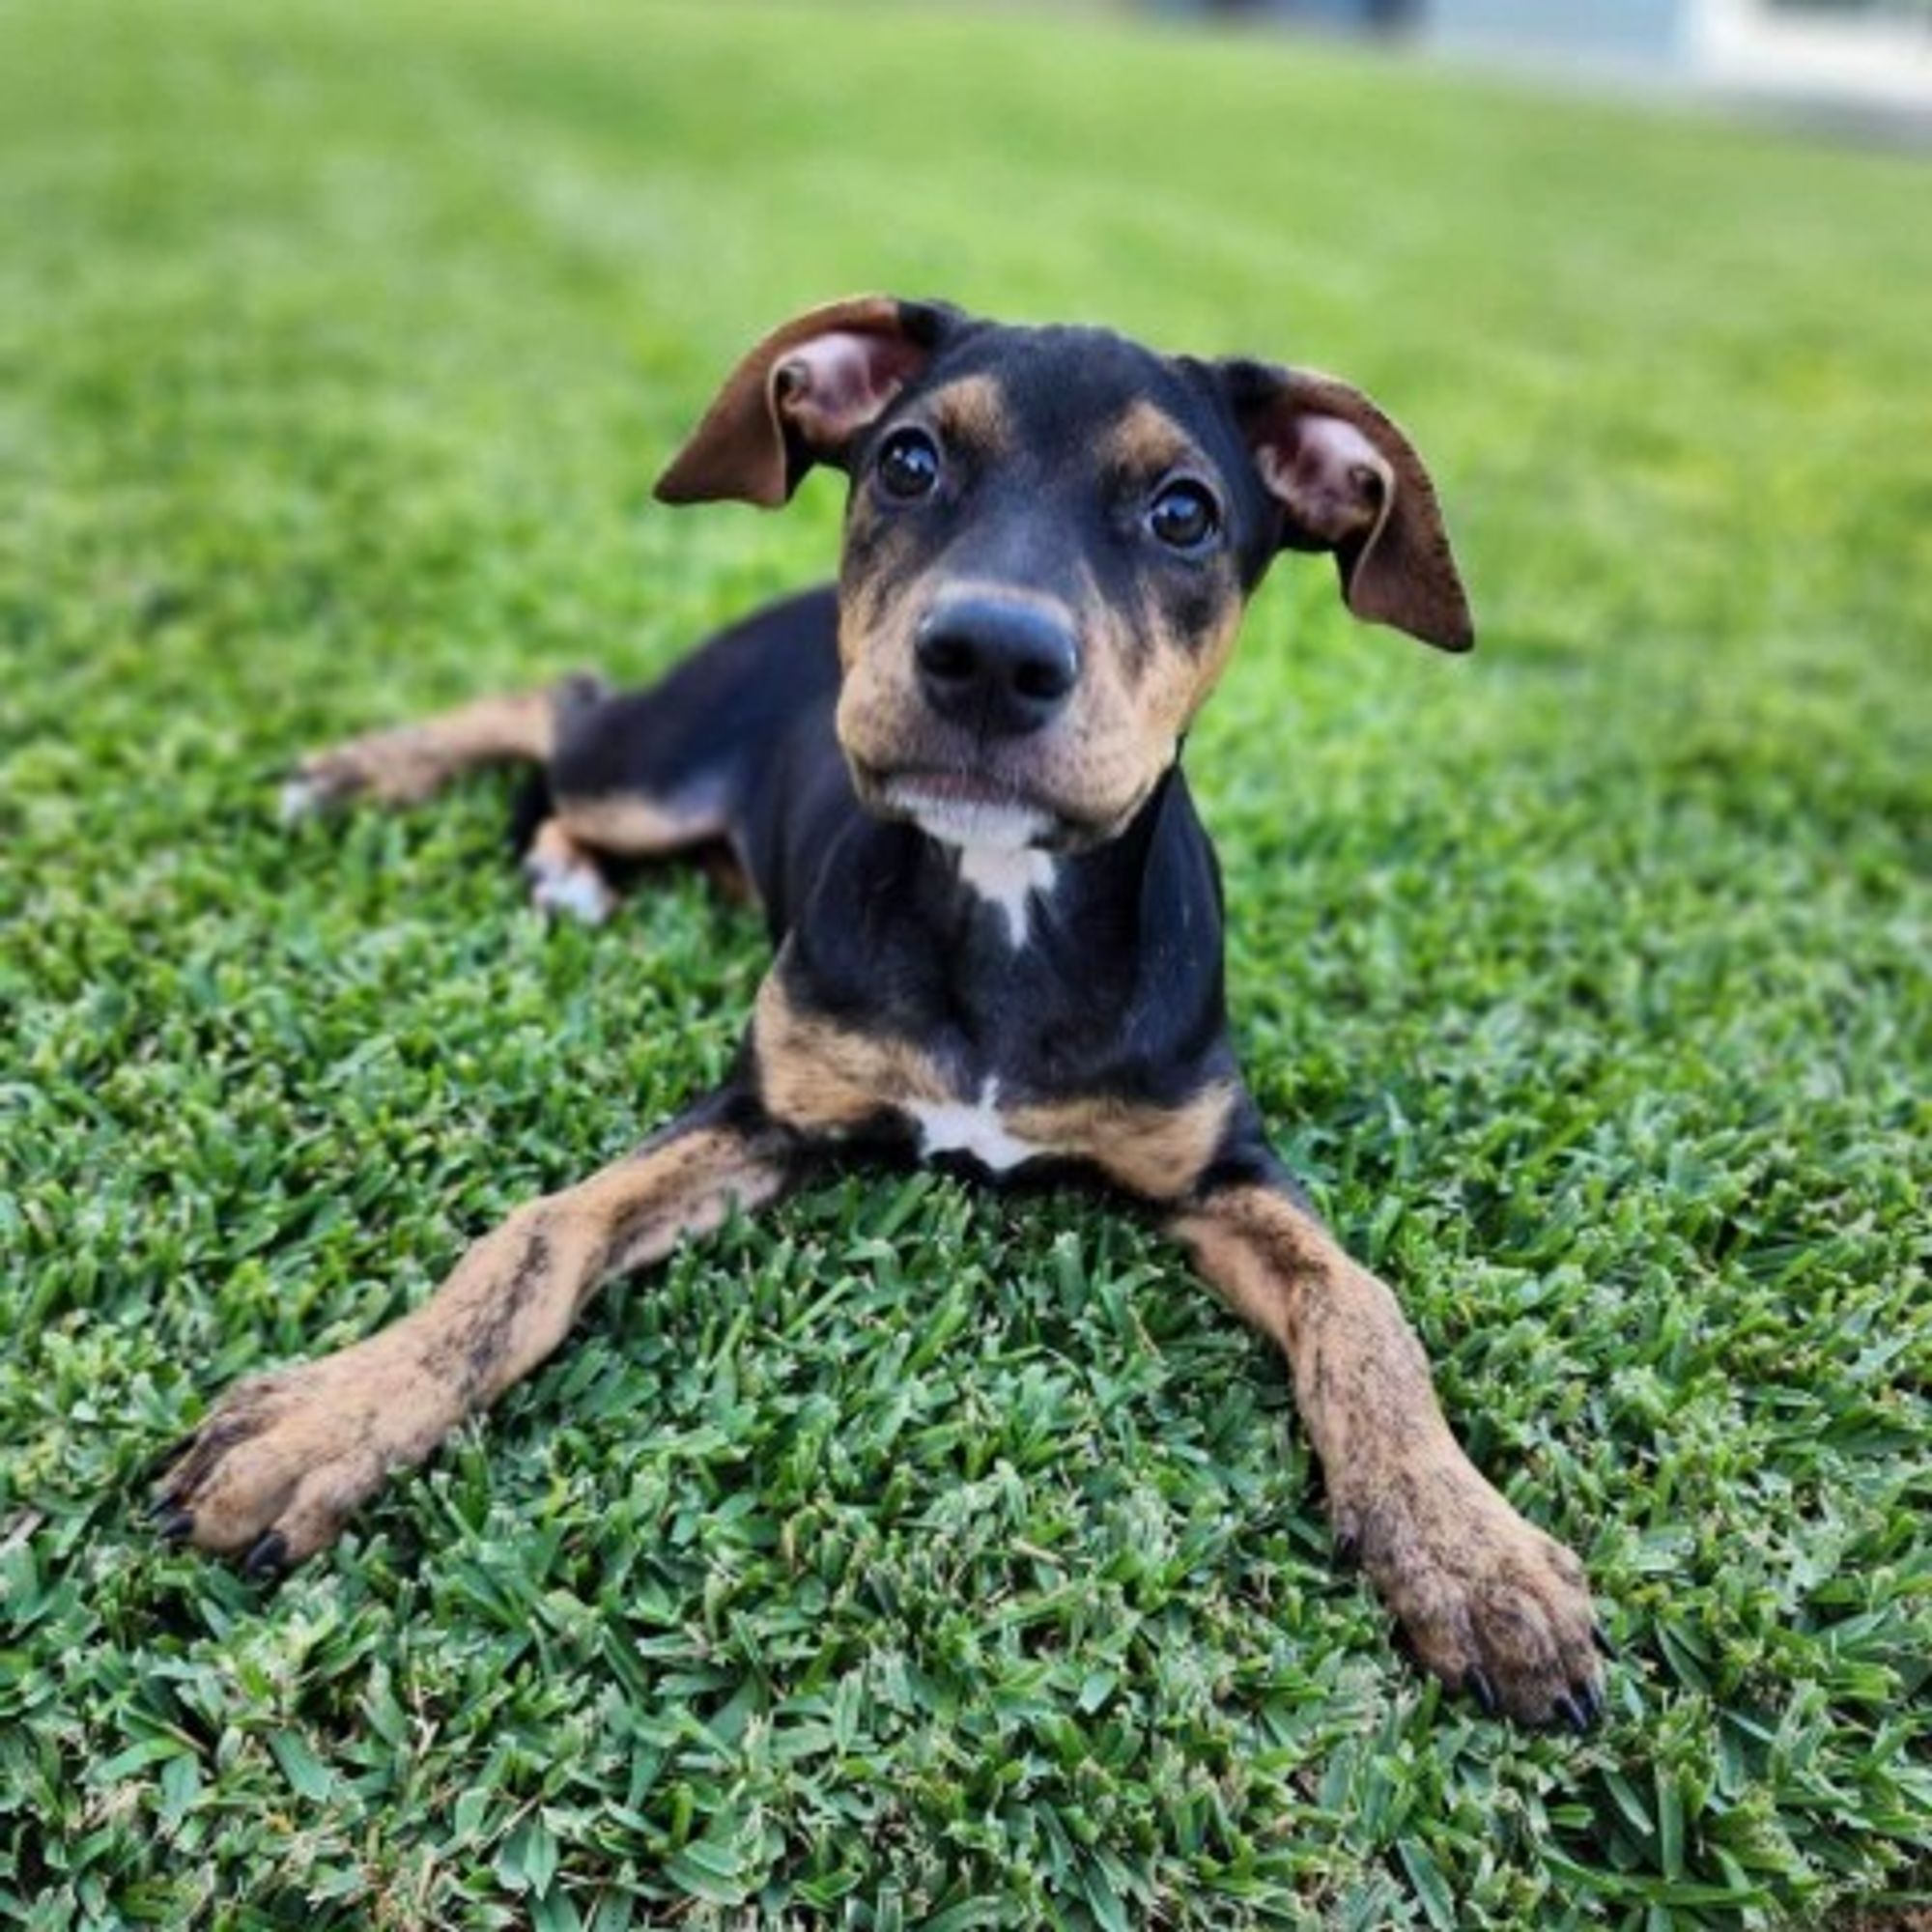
1008 878
974 1127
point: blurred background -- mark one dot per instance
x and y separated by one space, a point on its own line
1864 60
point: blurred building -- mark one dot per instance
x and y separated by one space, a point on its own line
1873 53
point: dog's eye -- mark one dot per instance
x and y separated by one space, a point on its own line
908 464
1184 516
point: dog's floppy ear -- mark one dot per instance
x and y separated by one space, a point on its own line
801 396
1348 480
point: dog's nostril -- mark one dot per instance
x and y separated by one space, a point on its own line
1045 677
950 659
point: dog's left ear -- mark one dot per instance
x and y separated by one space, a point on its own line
1348 480
801 396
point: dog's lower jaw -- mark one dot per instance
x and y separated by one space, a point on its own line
957 809
962 809
980 826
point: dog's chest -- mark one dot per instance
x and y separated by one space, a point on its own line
838 1080
976 1128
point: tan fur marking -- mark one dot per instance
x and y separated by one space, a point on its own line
630 824
565 877
1141 687
1477 1588
972 413
407 764
1146 441
553 844
821 1077
295 1451
1098 764
1157 1152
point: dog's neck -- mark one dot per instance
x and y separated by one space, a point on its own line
1000 869
1047 971
1010 877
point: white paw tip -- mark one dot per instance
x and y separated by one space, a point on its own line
574 891
299 798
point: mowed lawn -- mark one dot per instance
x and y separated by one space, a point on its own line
919 1556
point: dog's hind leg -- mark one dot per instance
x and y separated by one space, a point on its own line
643 775
563 859
409 764
565 879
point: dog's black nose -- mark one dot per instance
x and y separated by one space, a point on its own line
1004 669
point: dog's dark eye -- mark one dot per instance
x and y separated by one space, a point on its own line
1184 516
908 465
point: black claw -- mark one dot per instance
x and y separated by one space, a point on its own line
1573 1713
268 1557
1348 1549
1476 1683
1589 1698
174 1525
1600 1637
171 1455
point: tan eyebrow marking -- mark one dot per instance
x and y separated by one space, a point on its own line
1146 441
973 411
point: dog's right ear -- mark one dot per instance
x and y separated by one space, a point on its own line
801 396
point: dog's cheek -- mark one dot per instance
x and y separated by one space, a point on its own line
1193 623
1096 765
878 705
1102 768
864 721
882 560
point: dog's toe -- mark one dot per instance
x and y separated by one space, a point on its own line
273 1473
321 783
299 798
1489 1603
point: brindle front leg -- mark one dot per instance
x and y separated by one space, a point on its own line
283 1458
1489 1603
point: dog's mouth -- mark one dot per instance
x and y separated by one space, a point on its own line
963 807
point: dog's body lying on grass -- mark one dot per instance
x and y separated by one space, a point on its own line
952 782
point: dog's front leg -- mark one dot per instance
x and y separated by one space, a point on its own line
283 1458
1489 1603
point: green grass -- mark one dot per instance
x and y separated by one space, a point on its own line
918 1558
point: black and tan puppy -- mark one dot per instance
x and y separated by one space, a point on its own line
952 782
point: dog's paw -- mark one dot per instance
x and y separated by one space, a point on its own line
1487 1602
276 1468
400 767
327 780
313 788
563 884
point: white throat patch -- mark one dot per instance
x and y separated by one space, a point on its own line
1007 877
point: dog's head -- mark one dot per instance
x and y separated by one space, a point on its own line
1050 538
